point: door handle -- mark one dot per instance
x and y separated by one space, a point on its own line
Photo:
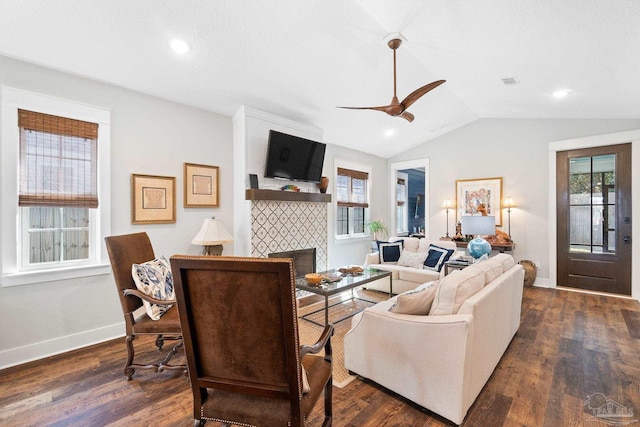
626 239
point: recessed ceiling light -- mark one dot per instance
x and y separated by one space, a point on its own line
390 132
179 46
561 93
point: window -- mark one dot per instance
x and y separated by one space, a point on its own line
352 195
56 189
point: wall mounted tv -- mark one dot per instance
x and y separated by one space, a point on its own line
294 158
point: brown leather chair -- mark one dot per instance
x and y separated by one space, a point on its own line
239 323
124 251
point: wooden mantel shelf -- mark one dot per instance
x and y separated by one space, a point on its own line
286 196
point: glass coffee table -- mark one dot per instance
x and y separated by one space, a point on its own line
348 282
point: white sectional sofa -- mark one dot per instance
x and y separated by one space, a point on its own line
441 362
404 277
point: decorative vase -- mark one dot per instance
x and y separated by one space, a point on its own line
323 184
530 271
478 247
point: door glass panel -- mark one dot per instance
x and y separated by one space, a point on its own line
592 204
580 222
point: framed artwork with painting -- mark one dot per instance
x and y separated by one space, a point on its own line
153 199
473 196
201 186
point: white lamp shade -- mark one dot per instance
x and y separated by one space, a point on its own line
508 203
448 204
477 224
212 233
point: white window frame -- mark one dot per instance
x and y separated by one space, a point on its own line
345 164
11 252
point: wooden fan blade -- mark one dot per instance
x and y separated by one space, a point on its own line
384 108
416 94
407 115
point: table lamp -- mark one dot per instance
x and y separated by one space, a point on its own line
212 236
479 225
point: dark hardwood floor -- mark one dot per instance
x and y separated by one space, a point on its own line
570 346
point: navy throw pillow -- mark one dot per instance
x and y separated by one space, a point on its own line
436 257
390 251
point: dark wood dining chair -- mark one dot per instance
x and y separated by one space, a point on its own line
124 251
239 323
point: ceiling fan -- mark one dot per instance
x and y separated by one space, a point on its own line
400 108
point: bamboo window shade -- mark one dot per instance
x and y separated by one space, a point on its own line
358 188
58 161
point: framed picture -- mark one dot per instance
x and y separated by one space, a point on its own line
201 186
474 195
153 199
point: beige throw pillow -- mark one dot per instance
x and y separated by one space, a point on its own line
415 302
454 290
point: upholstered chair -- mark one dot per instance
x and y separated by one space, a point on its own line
246 364
124 251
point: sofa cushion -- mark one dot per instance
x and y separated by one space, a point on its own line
154 278
436 257
418 276
491 269
389 251
416 302
412 259
454 289
411 244
505 259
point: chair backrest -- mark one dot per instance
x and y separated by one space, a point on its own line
124 251
239 324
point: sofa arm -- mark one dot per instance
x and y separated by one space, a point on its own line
423 358
372 258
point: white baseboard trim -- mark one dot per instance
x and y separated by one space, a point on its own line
40 350
543 283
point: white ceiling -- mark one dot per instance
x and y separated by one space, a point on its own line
301 59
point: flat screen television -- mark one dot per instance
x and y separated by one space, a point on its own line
294 158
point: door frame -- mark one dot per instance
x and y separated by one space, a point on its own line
633 137
394 167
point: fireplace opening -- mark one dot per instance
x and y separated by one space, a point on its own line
304 260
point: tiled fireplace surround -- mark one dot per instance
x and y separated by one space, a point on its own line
278 226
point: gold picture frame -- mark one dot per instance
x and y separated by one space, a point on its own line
201 186
153 199
470 193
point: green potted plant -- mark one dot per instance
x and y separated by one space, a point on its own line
377 229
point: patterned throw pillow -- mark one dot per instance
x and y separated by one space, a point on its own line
412 259
154 278
436 257
389 251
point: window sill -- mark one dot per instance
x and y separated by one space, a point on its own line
31 277
352 239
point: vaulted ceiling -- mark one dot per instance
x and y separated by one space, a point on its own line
302 59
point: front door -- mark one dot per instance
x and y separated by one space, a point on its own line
594 218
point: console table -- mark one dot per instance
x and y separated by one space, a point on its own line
501 247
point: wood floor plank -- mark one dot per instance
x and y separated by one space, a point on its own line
569 345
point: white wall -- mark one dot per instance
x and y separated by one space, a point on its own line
516 150
148 136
